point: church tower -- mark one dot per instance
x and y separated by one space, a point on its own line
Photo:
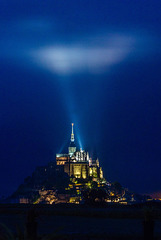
72 147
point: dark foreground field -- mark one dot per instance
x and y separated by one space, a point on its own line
79 222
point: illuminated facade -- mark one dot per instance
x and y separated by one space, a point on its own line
78 164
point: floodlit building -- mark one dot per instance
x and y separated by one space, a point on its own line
78 164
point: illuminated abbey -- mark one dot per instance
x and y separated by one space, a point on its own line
78 164
73 178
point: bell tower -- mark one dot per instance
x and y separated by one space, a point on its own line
72 147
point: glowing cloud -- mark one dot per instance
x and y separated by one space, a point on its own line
77 58
39 41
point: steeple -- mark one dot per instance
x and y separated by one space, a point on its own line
72 134
72 147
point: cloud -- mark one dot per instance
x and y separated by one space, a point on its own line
94 57
46 44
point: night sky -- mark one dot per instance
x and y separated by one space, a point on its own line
91 62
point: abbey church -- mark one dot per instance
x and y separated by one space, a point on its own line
77 163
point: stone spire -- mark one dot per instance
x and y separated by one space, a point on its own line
72 147
72 134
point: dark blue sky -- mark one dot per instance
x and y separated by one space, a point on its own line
94 63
